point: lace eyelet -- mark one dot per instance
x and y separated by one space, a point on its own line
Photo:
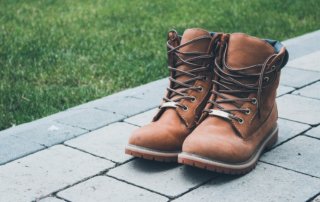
248 111
185 108
200 88
241 121
266 79
193 99
205 78
254 101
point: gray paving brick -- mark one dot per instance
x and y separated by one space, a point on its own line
155 89
51 199
284 90
265 183
129 106
289 129
131 101
50 133
168 179
297 78
138 99
143 118
314 132
104 188
303 45
47 171
311 91
107 142
151 91
12 147
307 62
27 138
90 119
297 108
299 154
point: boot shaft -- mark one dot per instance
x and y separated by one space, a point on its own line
247 73
190 61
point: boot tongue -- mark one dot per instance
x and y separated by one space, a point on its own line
191 34
197 46
245 51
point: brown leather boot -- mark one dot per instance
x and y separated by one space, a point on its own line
240 120
190 60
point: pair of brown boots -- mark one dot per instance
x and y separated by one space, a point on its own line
219 112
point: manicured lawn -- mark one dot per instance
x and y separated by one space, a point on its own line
58 54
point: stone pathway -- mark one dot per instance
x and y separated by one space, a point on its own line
78 155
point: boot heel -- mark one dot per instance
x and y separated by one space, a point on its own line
273 140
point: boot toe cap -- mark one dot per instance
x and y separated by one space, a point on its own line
162 139
214 147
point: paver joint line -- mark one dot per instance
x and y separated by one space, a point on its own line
136 185
76 183
285 168
301 133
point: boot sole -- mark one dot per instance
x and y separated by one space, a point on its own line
229 168
151 154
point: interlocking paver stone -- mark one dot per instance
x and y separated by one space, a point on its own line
103 188
90 119
307 62
107 142
129 106
297 78
50 133
143 118
314 132
284 90
265 183
297 108
137 100
289 129
51 199
168 179
303 45
151 92
47 171
299 154
12 147
311 91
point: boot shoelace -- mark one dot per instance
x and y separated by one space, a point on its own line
193 74
231 85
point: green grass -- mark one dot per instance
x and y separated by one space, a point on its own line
58 54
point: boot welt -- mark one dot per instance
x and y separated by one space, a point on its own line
151 154
229 168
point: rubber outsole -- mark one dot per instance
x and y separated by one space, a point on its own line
150 154
227 168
